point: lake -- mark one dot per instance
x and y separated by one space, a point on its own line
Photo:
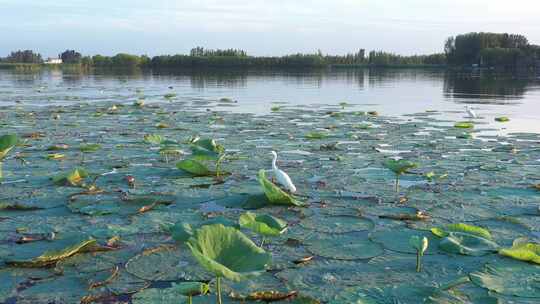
388 91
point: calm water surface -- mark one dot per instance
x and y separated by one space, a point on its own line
389 91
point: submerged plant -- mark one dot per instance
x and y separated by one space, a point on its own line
7 142
399 167
227 253
264 224
420 244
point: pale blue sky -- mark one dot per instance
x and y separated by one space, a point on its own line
271 27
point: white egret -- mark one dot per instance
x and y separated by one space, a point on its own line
470 111
282 177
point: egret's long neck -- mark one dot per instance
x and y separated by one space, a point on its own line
274 166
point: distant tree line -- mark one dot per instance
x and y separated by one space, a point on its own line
508 51
492 50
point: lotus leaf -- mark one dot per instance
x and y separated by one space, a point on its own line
89 148
7 142
154 139
181 231
336 223
399 166
462 228
156 264
464 125
502 119
399 240
467 244
203 149
524 251
316 135
227 252
263 224
168 295
274 194
72 178
195 168
513 279
352 246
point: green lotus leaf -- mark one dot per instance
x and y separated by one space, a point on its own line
274 194
71 178
523 251
464 125
513 279
156 264
467 244
159 295
7 142
502 119
227 252
154 139
316 135
350 246
263 224
419 243
204 149
336 223
398 240
462 228
191 288
89 148
399 166
72 247
195 168
181 231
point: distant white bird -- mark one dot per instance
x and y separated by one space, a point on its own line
470 111
282 177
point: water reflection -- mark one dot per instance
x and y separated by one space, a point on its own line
473 89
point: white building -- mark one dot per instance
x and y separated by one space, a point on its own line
53 61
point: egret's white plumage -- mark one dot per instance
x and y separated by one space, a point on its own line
470 111
282 177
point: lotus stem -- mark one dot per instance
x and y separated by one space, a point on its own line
218 165
218 290
397 183
418 261
1 174
190 300
262 241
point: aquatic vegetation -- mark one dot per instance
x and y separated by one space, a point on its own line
73 178
55 156
513 279
399 167
523 251
275 108
464 125
421 245
274 194
7 142
139 103
263 224
90 148
227 253
502 119
191 289
465 239
316 135
462 228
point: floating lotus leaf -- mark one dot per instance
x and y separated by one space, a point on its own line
155 139
352 246
524 251
399 166
168 295
156 264
462 228
316 135
464 125
195 168
398 240
56 289
227 252
263 224
502 119
62 249
71 178
274 194
126 283
90 148
7 142
337 223
513 279
467 244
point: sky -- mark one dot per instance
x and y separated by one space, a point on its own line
270 27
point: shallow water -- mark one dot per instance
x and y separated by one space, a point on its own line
353 223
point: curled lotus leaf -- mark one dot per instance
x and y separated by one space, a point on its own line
274 194
195 168
203 149
400 166
467 244
182 231
263 224
523 251
7 142
71 178
461 228
227 252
